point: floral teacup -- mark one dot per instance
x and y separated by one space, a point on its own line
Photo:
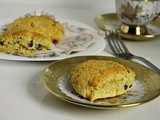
136 13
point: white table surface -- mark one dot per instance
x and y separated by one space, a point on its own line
22 97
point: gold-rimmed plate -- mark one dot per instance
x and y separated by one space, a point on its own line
55 79
107 22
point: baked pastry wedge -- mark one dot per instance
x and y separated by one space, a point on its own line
41 24
23 42
97 79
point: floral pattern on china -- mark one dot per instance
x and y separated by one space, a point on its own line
136 12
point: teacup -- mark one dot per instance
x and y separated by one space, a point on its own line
135 14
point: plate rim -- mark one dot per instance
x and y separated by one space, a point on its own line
97 106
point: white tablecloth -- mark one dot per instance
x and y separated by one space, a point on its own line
22 97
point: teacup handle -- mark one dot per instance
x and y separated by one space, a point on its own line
157 16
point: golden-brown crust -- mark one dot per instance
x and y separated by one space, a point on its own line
94 77
40 24
32 21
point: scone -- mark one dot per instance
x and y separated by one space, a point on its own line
42 24
97 79
55 34
24 42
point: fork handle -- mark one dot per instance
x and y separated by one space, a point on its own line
153 67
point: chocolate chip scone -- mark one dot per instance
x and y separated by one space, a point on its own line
97 79
41 24
23 42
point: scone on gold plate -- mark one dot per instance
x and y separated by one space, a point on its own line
24 42
41 24
97 79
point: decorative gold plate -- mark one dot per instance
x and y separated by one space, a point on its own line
109 22
147 89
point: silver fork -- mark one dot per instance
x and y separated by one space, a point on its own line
120 50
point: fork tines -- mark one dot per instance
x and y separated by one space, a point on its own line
116 44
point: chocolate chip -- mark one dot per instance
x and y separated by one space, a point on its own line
2 43
20 37
55 41
125 87
130 86
16 25
32 24
39 46
30 44
128 71
54 24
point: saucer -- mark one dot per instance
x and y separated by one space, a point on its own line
107 22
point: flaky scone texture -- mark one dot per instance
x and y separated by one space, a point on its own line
41 24
23 42
97 79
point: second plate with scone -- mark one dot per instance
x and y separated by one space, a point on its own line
76 38
134 92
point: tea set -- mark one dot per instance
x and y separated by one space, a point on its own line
134 19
